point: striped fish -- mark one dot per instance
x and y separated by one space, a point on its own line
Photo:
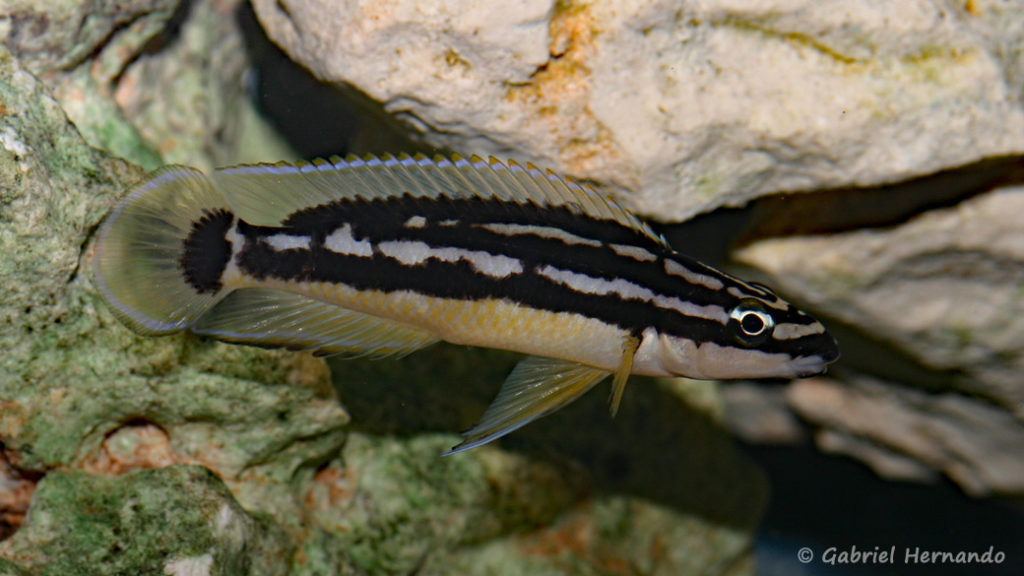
384 256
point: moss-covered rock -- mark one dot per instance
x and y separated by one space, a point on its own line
77 389
175 520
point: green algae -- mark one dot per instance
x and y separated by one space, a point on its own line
144 522
72 376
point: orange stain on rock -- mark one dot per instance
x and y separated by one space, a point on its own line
560 90
572 537
134 445
575 537
332 486
16 491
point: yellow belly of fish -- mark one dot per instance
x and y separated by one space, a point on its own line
487 323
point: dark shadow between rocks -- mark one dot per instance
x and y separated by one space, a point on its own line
317 119
858 208
712 236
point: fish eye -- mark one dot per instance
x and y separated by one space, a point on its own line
750 322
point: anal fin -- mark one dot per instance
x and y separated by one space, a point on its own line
276 318
536 387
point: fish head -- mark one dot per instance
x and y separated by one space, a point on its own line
759 336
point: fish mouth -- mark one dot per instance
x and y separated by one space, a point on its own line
824 351
807 366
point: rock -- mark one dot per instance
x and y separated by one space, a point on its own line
15 493
886 462
942 289
78 389
110 69
759 414
8 568
679 108
908 434
49 37
53 184
205 119
179 520
607 535
390 506
80 48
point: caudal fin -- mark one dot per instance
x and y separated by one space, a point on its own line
163 250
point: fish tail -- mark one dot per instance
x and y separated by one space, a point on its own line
162 253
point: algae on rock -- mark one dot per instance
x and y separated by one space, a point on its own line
143 521
73 380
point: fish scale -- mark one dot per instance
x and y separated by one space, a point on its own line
383 256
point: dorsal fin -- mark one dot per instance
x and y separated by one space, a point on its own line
266 194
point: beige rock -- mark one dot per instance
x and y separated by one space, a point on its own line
902 432
680 107
759 414
885 462
944 288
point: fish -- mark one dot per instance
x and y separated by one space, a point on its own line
383 256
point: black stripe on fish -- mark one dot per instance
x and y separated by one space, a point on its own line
207 251
465 225
385 219
455 280
596 261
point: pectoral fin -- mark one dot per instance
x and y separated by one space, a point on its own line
629 346
536 387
